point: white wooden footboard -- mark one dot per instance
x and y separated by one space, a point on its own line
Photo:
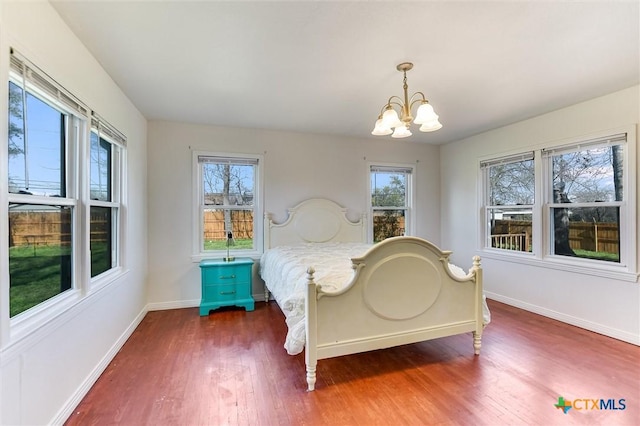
402 292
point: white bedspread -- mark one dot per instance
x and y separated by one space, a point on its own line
284 270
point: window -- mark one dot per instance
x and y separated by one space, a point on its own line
566 204
391 200
105 192
585 199
229 212
48 133
509 203
44 135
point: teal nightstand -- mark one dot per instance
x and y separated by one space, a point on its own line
226 284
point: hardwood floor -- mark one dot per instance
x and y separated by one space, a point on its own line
230 368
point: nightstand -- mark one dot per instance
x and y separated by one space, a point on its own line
226 284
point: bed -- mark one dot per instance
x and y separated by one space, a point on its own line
341 295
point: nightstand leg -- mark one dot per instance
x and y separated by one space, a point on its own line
248 305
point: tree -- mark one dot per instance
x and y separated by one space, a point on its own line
227 184
561 223
387 222
16 130
585 176
16 126
512 183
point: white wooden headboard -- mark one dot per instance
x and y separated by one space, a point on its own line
316 220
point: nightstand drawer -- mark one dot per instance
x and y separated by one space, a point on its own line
221 293
239 290
226 275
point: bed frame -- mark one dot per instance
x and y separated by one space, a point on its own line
402 291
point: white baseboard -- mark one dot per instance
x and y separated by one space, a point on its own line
578 322
67 410
175 304
194 303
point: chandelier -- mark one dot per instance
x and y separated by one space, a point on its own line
389 119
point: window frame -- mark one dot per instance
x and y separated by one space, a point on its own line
76 164
107 133
75 126
198 252
542 221
487 207
409 197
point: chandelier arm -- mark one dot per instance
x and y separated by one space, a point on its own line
413 102
388 104
398 102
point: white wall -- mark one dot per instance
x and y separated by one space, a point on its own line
44 375
296 167
607 306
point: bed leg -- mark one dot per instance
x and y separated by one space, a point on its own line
311 377
477 342
266 294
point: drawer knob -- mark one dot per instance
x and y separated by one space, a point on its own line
227 277
228 292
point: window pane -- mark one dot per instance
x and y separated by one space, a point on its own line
388 223
219 222
510 228
39 254
587 232
101 240
36 151
100 169
589 175
512 184
388 189
228 184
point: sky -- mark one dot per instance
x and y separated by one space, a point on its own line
40 174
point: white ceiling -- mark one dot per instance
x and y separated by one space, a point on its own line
329 66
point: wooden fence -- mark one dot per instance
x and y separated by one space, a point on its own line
241 225
517 242
598 237
43 228
35 228
51 228
54 228
602 237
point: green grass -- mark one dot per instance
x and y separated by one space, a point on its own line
100 258
36 272
35 275
597 255
240 244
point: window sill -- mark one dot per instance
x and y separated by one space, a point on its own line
52 313
615 272
102 280
253 254
25 323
